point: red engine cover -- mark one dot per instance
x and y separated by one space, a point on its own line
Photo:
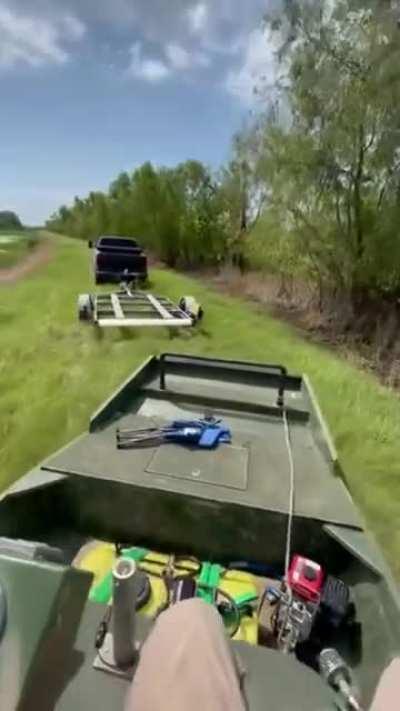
305 578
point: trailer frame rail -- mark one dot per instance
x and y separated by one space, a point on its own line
131 308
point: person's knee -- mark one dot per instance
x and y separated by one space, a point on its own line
387 695
194 610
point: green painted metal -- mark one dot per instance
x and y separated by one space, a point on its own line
245 599
89 489
45 603
320 495
208 581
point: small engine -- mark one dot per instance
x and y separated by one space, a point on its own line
294 622
305 578
309 596
299 603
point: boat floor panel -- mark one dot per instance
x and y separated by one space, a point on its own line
227 467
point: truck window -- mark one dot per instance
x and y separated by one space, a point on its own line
116 242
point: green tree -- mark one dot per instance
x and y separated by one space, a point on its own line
177 213
9 220
333 173
243 191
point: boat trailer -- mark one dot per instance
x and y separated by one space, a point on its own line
136 309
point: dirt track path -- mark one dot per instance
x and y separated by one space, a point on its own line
40 256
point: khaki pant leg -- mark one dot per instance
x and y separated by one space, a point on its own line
186 664
387 694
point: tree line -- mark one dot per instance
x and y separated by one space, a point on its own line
313 187
185 215
9 221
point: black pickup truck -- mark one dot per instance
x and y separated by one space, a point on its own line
118 259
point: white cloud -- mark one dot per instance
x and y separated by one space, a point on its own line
146 68
197 17
178 57
157 69
174 36
74 27
35 41
259 66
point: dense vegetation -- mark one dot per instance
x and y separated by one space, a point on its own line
9 221
333 172
320 166
179 213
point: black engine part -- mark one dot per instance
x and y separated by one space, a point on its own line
181 588
143 589
335 601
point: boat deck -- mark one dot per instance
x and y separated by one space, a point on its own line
252 471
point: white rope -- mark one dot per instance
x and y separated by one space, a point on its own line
291 493
283 642
287 588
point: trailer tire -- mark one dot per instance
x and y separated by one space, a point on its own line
192 308
85 307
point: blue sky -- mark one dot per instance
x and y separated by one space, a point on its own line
93 87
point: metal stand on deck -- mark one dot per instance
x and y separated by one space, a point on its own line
119 651
130 308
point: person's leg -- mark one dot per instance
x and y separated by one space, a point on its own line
186 664
387 694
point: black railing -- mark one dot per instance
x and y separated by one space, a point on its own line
243 372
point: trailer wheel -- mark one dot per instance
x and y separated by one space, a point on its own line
192 308
85 307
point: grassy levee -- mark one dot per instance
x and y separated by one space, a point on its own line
54 372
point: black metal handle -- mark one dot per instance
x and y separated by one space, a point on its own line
228 368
